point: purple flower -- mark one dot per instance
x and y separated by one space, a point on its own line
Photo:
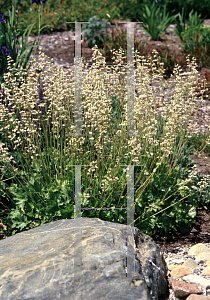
4 17
38 1
1 18
40 95
5 50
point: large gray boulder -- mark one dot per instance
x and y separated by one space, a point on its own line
52 262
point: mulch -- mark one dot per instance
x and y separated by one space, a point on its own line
200 233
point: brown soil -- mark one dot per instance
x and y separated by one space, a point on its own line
169 241
200 233
65 53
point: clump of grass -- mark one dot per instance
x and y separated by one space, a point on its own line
49 149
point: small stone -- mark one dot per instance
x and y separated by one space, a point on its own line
190 263
199 281
206 271
197 249
183 289
181 271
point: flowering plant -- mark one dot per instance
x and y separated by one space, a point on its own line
9 42
118 39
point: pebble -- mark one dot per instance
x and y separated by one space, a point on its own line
189 272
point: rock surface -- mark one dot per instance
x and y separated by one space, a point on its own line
39 264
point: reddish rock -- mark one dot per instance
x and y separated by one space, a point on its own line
183 289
